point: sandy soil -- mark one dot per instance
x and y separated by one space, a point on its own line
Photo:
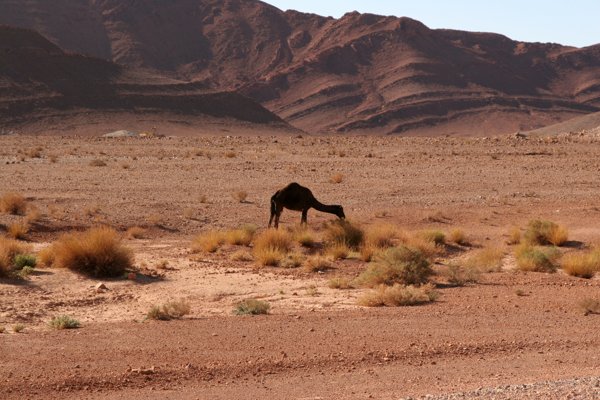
510 328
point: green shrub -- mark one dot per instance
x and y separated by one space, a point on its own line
25 260
540 232
64 322
252 307
536 259
401 264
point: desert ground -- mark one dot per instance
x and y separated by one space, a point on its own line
511 334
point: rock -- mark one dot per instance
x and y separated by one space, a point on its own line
100 288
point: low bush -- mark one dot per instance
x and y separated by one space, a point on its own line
97 252
135 232
316 263
10 249
434 236
460 276
64 322
514 235
208 242
25 260
170 310
241 236
401 264
583 265
252 307
13 203
18 230
343 232
536 259
488 259
381 236
340 283
338 251
271 246
540 232
458 236
398 295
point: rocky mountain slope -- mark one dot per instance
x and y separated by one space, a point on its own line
38 81
361 72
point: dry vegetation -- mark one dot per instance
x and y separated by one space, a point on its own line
403 265
252 307
583 265
97 252
536 258
13 203
10 249
170 310
398 295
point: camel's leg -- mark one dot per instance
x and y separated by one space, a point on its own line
277 220
304 216
271 219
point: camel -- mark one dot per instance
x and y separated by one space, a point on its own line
298 198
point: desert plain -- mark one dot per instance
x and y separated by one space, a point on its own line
507 334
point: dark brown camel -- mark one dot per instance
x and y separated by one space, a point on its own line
298 198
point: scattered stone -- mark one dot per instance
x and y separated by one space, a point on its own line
100 288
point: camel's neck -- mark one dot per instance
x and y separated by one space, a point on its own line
317 205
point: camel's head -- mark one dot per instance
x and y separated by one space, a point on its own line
339 211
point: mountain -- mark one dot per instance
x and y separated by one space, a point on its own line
359 73
39 81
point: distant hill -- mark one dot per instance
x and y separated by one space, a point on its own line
358 73
587 123
39 81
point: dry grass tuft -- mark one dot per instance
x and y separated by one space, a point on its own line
241 236
336 178
344 232
271 247
170 310
13 203
241 255
367 252
427 247
458 236
45 256
33 215
18 230
583 265
9 250
240 196
536 259
590 306
136 232
269 256
316 263
541 233
401 264
398 295
381 236
18 328
230 154
457 275
208 242
293 260
433 236
97 252
488 259
252 307
304 236
340 283
338 251
514 236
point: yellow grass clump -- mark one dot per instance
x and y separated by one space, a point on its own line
398 295
18 230
13 203
458 236
9 250
135 232
536 258
583 265
240 195
434 236
208 242
540 232
488 259
170 310
344 232
400 264
340 283
98 252
514 235
316 263
271 246
304 236
381 236
427 247
241 236
338 251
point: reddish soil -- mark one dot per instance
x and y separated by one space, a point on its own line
360 73
509 328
